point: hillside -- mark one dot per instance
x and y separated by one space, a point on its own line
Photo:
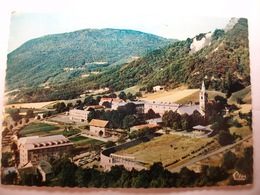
58 58
220 58
223 63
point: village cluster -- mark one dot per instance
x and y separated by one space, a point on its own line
35 152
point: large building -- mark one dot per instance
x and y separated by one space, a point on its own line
139 106
78 115
162 107
34 149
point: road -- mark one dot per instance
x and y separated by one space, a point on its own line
197 159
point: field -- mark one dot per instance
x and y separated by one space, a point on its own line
40 129
180 95
170 96
84 141
37 105
166 148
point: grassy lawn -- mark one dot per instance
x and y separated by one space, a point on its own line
40 129
166 148
84 141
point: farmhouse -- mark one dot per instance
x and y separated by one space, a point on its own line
34 149
99 127
78 115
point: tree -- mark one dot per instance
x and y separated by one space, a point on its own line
142 180
122 95
245 164
138 94
60 107
225 138
186 177
15 114
151 114
130 109
6 158
133 135
83 177
217 34
65 170
29 113
185 122
112 95
170 117
128 121
91 115
30 179
10 178
110 144
130 96
229 160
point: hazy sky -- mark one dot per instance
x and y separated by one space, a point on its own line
25 26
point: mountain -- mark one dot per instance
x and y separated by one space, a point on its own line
220 58
58 58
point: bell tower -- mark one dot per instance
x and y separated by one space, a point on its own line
202 99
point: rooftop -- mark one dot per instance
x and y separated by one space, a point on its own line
98 123
43 142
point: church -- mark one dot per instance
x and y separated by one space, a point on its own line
162 107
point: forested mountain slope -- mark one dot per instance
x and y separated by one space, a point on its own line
58 58
222 61
223 64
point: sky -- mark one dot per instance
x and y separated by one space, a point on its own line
28 25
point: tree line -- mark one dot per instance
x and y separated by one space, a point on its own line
67 174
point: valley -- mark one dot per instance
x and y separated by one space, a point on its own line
106 102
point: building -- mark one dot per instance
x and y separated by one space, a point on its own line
99 127
139 105
78 115
109 101
34 149
202 99
160 107
158 88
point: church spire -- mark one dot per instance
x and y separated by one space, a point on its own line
203 87
202 98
